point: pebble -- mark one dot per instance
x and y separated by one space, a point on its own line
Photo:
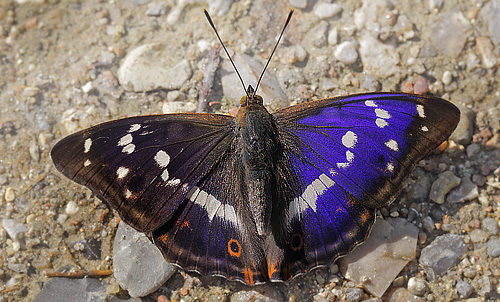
442 254
145 68
138 266
378 59
490 225
295 54
463 133
16 230
419 190
485 286
428 224
327 10
486 49
353 294
493 247
447 77
472 150
450 31
369 83
10 194
298 3
467 190
417 286
403 295
71 208
318 35
442 185
30 91
84 290
346 53
420 86
375 263
87 87
333 36
464 289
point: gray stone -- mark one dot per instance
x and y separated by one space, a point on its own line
298 3
450 31
417 286
250 70
419 190
138 265
478 235
464 289
149 67
375 263
82 290
467 190
442 254
318 35
353 294
463 132
428 224
485 286
472 149
442 185
490 13
493 247
346 53
378 59
491 225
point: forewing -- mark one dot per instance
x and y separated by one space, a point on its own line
144 166
350 156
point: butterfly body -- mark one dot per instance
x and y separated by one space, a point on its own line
259 197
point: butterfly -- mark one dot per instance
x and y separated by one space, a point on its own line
258 197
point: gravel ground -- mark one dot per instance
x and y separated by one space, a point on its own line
66 65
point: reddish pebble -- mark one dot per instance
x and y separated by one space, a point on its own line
407 86
163 298
420 86
100 214
184 291
233 112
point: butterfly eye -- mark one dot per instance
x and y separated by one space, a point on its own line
243 101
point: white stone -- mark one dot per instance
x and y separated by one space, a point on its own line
327 10
378 59
71 208
147 68
346 53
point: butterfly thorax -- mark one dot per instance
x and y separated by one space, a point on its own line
256 133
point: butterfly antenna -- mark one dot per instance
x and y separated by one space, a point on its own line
225 49
274 49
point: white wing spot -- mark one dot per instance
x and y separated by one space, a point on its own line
122 172
310 196
420 110
350 157
164 175
370 103
87 145
173 182
424 128
162 158
87 163
381 123
390 167
130 148
128 194
382 113
212 206
127 139
134 128
349 139
392 144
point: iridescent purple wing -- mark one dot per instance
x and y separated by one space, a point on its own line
144 166
350 156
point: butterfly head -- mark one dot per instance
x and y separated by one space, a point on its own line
251 98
